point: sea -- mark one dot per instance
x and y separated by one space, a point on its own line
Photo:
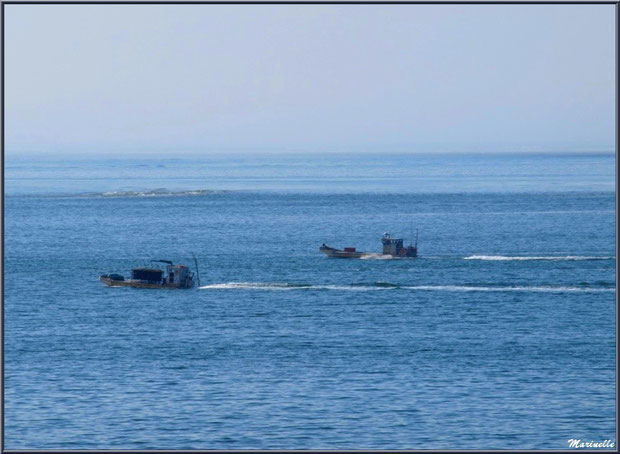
500 335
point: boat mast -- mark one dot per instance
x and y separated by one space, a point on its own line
196 264
416 239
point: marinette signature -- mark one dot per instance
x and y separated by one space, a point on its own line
574 443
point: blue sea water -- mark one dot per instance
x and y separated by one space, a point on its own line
501 334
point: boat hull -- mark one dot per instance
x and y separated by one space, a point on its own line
340 254
137 284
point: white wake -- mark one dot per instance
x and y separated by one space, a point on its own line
266 286
550 258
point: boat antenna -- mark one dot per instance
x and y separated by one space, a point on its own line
196 264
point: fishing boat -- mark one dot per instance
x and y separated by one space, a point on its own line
392 248
347 253
169 276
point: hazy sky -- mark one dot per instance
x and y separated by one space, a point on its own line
96 78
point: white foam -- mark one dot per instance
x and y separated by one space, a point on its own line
377 256
285 286
157 193
249 285
463 288
365 288
550 258
347 288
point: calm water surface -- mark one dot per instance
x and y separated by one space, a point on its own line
500 335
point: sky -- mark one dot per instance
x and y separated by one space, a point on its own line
198 78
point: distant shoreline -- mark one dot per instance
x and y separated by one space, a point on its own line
172 154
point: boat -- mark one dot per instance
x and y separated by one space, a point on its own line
170 276
392 248
347 253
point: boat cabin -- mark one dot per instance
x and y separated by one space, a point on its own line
176 275
391 246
